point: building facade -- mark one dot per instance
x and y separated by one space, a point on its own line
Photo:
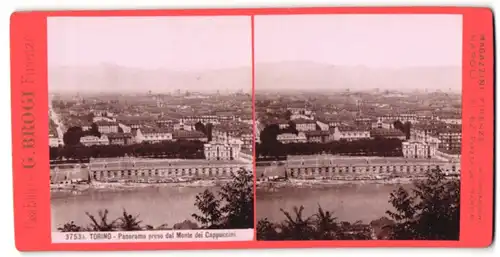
55 142
353 168
412 118
349 134
160 170
106 127
450 139
189 135
93 140
185 125
323 126
203 119
419 150
121 138
287 138
423 135
387 133
153 135
222 151
318 136
305 125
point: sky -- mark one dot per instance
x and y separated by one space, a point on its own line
392 41
175 43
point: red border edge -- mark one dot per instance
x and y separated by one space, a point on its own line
28 33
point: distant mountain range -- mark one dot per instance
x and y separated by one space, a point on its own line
269 76
318 76
112 78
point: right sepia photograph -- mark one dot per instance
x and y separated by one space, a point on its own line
358 126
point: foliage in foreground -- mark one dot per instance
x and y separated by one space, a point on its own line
230 208
429 211
320 226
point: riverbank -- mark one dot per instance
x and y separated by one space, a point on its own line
128 186
325 183
332 182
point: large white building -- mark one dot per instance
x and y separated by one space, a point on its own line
153 135
419 150
305 125
187 125
412 118
93 140
348 133
352 168
287 138
227 151
106 127
423 135
55 141
158 170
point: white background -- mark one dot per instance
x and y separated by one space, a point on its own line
7 234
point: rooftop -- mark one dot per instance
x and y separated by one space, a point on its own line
105 123
134 118
304 121
386 132
320 160
317 133
119 163
353 128
118 135
155 130
180 134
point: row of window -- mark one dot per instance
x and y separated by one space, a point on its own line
183 172
367 169
355 134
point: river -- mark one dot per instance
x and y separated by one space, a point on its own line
170 205
154 205
349 202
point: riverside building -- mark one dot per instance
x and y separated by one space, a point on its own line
348 167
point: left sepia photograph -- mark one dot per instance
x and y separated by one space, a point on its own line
150 122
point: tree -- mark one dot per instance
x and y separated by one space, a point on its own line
297 227
267 231
293 127
209 127
326 225
231 208
200 127
407 129
430 211
89 117
129 222
102 224
209 206
320 226
54 153
186 225
72 136
288 115
398 125
70 227
94 130
238 198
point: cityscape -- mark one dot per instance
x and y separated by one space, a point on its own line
335 140
196 138
358 127
346 153
154 133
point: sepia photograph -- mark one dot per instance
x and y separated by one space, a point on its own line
150 124
358 126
